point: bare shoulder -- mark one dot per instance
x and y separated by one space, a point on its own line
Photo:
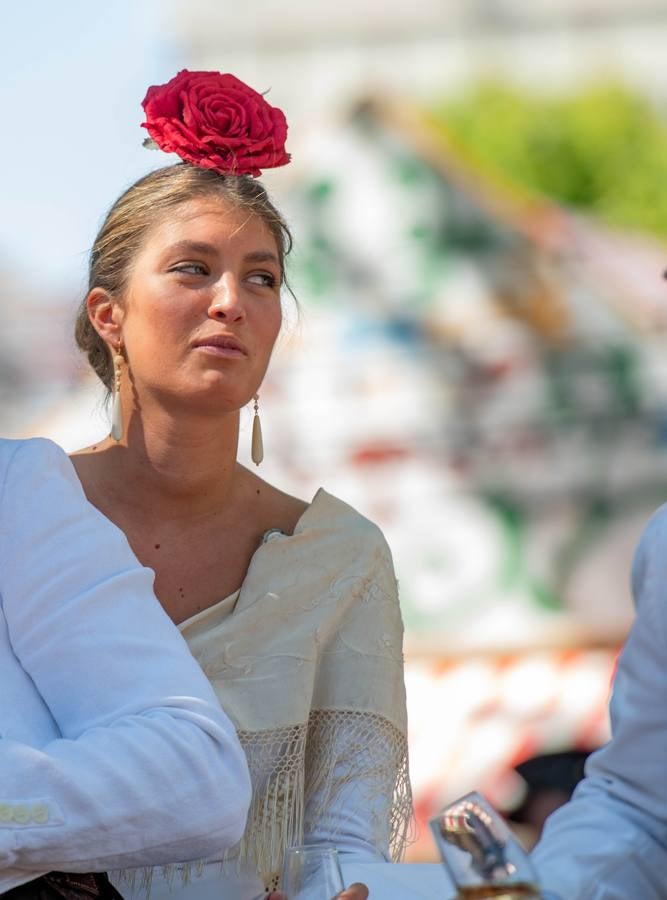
274 508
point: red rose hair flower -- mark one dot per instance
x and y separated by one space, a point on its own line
217 122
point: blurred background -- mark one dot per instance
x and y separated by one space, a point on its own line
479 202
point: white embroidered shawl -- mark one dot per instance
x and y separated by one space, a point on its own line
309 667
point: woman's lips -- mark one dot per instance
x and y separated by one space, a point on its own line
225 346
224 352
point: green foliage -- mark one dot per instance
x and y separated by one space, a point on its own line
602 149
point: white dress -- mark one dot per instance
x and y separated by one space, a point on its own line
306 658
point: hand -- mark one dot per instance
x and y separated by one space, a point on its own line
356 891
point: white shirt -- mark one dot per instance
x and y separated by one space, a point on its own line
610 840
114 750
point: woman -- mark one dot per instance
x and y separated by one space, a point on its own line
113 748
290 607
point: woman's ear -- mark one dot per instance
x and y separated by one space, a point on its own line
106 315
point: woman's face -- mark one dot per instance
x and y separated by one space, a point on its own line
201 311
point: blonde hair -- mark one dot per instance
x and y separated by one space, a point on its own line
136 211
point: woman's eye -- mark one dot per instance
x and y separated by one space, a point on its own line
266 279
191 269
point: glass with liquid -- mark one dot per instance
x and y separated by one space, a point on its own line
481 854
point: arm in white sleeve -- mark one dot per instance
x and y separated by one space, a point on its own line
610 840
359 797
148 768
352 809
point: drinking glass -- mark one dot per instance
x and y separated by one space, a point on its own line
312 872
481 854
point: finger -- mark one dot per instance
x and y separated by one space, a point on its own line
277 895
356 891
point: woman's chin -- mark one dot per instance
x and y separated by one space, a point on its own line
210 400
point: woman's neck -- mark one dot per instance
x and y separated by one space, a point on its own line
180 468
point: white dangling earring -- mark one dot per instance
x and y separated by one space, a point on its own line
257 447
117 426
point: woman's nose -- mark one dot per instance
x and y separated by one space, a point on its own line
226 302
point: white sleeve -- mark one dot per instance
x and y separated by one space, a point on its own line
148 769
610 840
359 757
355 814
364 800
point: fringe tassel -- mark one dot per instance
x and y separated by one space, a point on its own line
275 820
336 748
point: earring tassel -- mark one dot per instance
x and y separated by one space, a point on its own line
116 418
117 408
257 446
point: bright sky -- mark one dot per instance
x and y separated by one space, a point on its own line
72 77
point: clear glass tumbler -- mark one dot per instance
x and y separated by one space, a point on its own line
312 872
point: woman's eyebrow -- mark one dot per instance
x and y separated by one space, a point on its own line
205 248
192 247
262 256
